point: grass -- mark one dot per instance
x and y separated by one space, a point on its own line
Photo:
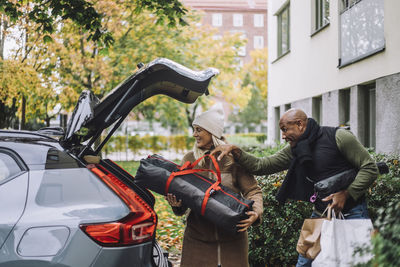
170 227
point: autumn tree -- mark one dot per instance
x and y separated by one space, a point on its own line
139 38
194 47
39 25
46 14
16 79
255 83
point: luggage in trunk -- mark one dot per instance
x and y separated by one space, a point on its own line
202 195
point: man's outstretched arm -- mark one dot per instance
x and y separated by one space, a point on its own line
256 165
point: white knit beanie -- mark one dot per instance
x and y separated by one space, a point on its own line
212 120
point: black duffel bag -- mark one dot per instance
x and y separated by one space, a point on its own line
340 181
204 196
335 183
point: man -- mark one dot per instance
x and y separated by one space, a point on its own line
314 153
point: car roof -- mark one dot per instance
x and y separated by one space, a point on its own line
33 148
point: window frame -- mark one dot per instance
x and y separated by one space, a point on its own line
261 20
279 14
242 51
220 20
254 41
235 19
347 6
321 18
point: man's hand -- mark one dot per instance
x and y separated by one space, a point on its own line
226 149
172 200
338 200
244 224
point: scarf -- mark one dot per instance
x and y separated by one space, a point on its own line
296 184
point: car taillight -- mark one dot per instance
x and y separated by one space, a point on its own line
137 227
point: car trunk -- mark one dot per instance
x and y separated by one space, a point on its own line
91 117
161 76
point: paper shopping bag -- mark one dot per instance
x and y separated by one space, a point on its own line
340 239
309 240
308 244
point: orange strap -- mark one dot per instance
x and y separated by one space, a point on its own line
191 166
187 168
214 187
184 172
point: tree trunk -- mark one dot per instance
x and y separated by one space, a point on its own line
23 110
47 121
190 115
3 27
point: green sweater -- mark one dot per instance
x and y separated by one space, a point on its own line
348 145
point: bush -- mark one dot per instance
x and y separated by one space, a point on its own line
386 188
177 143
248 139
273 243
384 209
386 242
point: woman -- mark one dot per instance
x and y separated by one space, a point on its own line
204 244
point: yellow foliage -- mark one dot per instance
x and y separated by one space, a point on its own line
258 70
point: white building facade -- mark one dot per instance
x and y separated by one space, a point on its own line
339 61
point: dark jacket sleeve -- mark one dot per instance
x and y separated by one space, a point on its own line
359 157
266 165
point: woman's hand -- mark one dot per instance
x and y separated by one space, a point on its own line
172 200
244 224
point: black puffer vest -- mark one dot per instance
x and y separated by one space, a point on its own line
328 161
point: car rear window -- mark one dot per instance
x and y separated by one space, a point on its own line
57 159
8 167
74 187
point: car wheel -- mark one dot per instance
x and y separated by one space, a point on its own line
160 256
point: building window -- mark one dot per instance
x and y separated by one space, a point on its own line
288 106
283 30
237 20
217 20
258 20
321 14
367 104
217 37
242 51
361 29
258 42
344 107
317 109
239 63
347 4
277 116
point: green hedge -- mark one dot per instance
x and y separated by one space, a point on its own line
386 242
273 243
177 143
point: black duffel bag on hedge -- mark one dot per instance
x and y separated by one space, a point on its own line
202 195
340 181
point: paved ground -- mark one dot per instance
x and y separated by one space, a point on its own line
175 259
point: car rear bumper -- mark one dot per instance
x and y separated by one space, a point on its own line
135 256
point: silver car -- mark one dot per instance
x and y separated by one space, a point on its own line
61 205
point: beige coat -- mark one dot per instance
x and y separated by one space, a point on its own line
205 245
